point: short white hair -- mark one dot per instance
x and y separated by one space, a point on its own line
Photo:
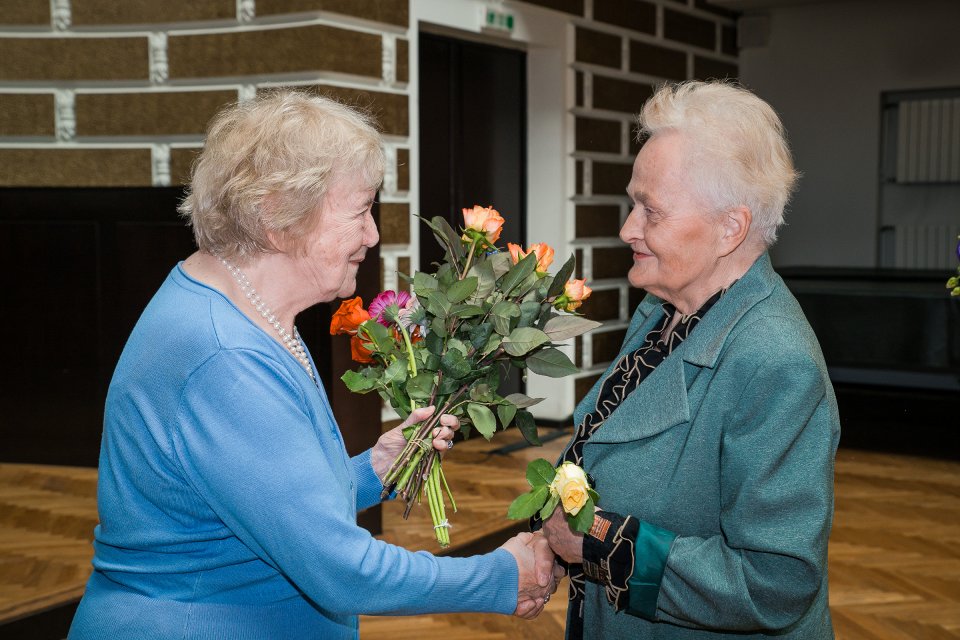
266 166
739 151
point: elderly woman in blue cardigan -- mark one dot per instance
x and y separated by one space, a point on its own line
711 437
227 500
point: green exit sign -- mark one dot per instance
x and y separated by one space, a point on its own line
499 20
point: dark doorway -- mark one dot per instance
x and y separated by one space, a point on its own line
473 130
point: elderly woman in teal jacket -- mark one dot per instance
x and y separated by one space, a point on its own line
711 438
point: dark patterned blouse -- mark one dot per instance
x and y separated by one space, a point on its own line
608 549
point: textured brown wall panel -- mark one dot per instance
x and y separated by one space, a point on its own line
394 223
606 345
619 95
403 266
611 262
582 386
611 178
94 12
310 48
657 61
180 162
631 14
567 6
598 135
403 61
603 305
148 114
597 221
598 48
391 110
73 59
707 68
27 114
403 169
690 29
75 167
388 11
25 12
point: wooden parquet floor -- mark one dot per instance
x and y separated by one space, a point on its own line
894 552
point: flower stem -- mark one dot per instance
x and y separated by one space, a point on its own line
466 267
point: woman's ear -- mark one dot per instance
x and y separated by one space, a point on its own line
735 227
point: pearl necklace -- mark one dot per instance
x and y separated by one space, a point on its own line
293 343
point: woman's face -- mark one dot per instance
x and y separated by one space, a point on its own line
339 243
674 236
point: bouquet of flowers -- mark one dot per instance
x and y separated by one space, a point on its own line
481 314
566 485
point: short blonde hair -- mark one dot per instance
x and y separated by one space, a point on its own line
266 166
739 151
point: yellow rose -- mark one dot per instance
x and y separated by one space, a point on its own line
571 485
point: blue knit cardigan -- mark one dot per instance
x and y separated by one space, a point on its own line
228 502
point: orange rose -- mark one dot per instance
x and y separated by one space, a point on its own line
486 220
574 293
359 351
348 317
543 251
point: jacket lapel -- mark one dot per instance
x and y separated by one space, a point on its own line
661 401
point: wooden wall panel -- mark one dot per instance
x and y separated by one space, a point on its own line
148 114
75 167
97 12
67 59
26 114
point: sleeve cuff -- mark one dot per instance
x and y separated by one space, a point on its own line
368 484
652 547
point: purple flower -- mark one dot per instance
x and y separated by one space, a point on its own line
384 300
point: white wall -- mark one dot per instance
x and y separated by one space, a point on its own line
823 69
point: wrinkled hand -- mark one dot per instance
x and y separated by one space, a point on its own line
538 573
391 443
565 542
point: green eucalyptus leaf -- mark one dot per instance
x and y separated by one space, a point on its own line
483 419
357 382
522 401
520 272
561 277
528 427
561 328
551 362
549 507
462 289
523 340
540 473
584 518
506 413
528 504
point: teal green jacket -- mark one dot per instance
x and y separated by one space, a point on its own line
725 453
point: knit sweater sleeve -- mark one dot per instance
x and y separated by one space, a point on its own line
280 482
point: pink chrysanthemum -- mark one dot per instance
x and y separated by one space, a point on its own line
384 300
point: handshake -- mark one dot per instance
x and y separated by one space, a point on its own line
538 570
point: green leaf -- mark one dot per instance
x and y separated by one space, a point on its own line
452 237
462 289
465 311
483 419
561 328
503 315
396 372
584 518
493 342
479 334
548 508
420 387
520 272
501 263
561 277
454 364
529 312
438 305
522 401
438 328
528 504
424 284
487 279
357 382
540 473
434 342
523 340
506 412
551 362
481 392
528 427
